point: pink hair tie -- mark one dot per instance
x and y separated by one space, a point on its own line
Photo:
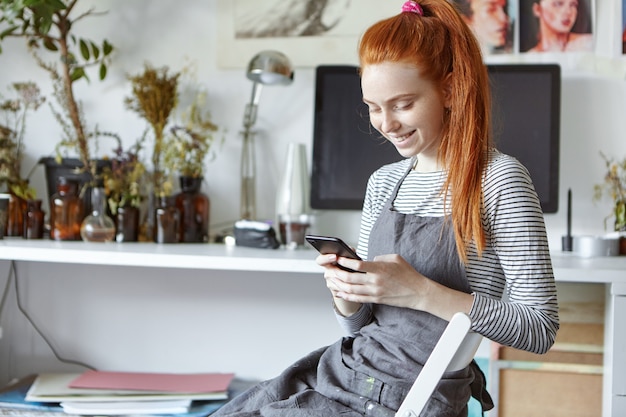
413 7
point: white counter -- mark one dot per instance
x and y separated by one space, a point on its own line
204 260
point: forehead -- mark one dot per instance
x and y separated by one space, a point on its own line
392 78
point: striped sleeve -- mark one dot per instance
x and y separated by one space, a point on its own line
517 261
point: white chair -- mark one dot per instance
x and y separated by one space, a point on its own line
454 351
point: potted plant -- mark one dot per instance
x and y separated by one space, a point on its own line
188 144
614 186
50 25
12 130
123 183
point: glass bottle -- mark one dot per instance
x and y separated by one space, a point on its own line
33 220
166 221
127 224
98 226
66 211
194 207
15 216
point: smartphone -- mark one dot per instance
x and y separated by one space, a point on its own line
331 244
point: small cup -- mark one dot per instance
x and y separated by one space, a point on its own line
293 228
4 208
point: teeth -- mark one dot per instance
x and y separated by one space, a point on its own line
399 137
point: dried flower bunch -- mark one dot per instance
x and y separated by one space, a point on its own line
154 95
123 179
191 139
175 107
12 130
614 186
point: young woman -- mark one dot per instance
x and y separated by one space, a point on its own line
446 230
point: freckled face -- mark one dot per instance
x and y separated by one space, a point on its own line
490 21
558 15
404 107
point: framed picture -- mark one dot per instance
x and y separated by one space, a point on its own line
309 32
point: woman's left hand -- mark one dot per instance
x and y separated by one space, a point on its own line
391 280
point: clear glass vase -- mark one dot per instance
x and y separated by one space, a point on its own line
98 226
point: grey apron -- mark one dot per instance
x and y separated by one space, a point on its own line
370 374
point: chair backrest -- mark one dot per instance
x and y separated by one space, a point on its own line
454 350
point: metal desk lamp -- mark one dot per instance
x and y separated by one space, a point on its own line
265 68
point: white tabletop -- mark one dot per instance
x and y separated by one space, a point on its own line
568 267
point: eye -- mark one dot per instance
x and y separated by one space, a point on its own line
373 109
403 105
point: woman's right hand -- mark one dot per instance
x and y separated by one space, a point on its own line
334 276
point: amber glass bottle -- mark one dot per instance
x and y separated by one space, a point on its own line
166 221
193 206
34 220
66 211
15 216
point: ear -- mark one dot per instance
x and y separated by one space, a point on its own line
446 89
537 10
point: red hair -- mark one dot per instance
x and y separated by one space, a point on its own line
440 43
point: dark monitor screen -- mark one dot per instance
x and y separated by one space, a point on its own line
347 150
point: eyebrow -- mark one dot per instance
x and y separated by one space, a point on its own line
394 98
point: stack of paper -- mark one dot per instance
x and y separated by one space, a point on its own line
119 393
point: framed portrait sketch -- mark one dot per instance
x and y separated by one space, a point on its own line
556 26
309 32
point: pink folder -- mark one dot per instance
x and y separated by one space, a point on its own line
162 382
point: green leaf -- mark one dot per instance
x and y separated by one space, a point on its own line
50 45
84 50
78 73
55 4
103 71
107 48
7 32
95 50
44 25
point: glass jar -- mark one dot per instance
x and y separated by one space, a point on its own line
98 226
33 220
166 221
66 211
194 207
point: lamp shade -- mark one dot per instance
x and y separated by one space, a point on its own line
270 68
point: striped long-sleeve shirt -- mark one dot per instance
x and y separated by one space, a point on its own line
515 301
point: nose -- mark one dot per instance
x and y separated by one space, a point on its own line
388 122
502 16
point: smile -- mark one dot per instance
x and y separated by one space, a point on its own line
401 138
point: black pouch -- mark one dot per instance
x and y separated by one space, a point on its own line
255 235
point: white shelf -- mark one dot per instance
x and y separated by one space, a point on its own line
179 255
567 267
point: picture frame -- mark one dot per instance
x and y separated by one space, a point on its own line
341 22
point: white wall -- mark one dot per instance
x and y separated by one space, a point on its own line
173 35
165 32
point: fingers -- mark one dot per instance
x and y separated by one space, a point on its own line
326 260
